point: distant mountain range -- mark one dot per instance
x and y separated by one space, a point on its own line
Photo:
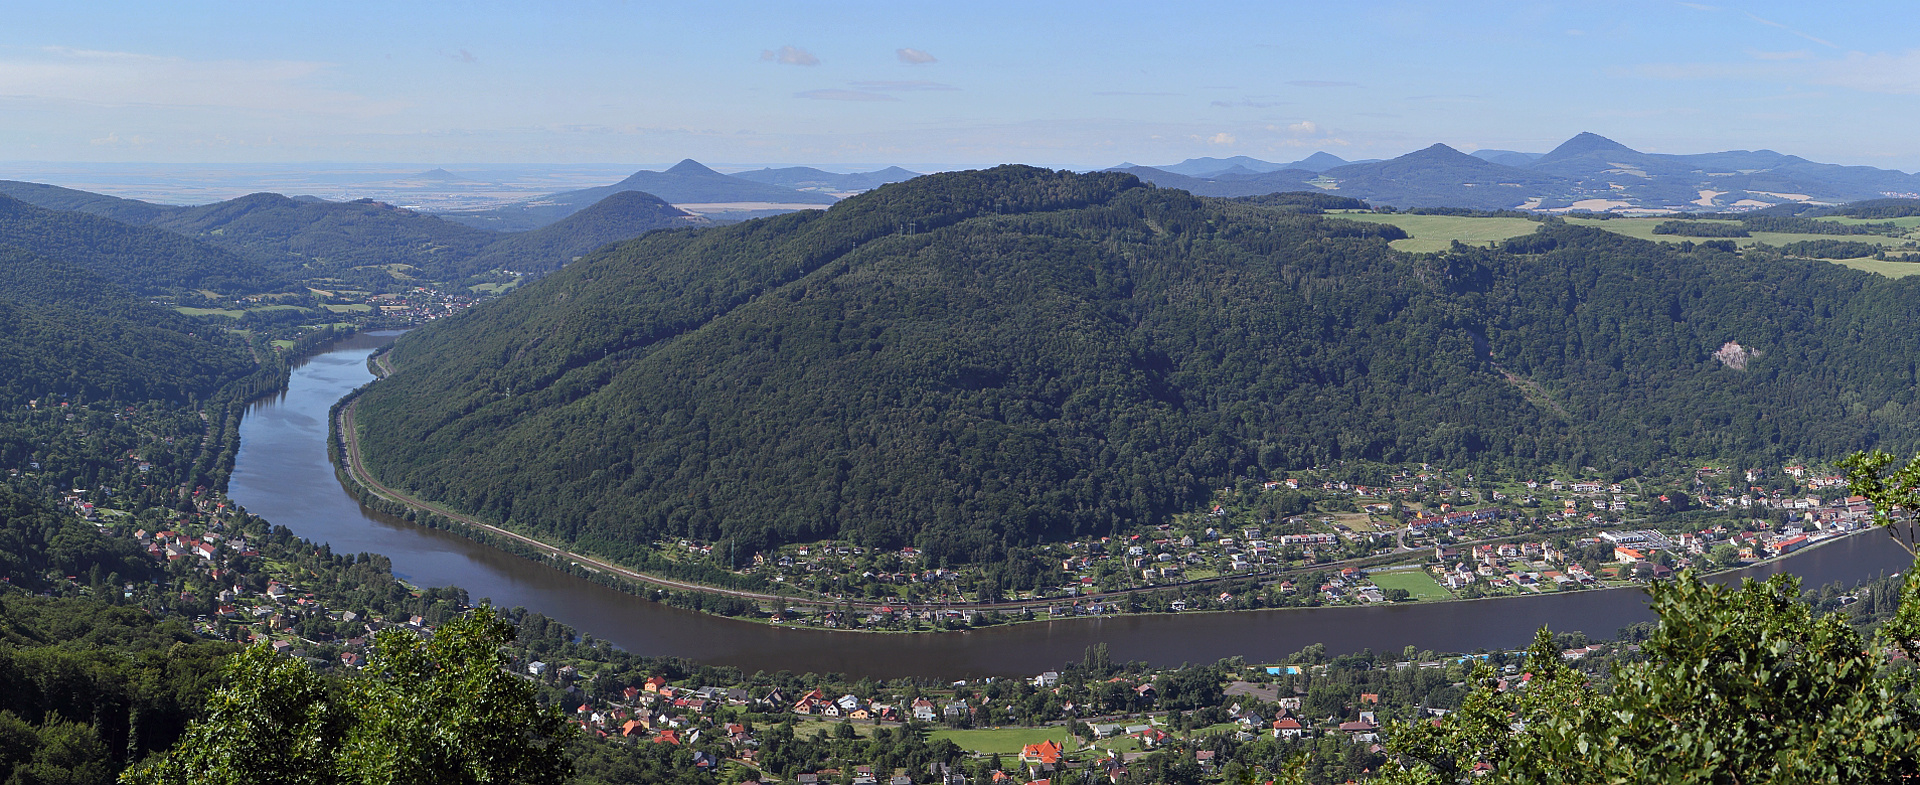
247 242
1587 172
688 182
807 178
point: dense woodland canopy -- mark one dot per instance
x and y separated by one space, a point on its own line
971 361
65 331
145 260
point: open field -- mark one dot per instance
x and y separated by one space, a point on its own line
350 308
1908 223
494 288
1437 232
1417 583
233 313
1006 741
1888 269
1643 229
1357 521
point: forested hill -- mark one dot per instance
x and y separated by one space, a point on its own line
65 331
143 259
969 360
618 217
324 235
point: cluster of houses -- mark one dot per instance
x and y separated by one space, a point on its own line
815 703
1532 566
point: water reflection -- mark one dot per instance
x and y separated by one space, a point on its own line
282 473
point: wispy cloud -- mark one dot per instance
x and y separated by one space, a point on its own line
1131 92
1321 83
789 55
917 84
1249 104
844 95
1221 139
1797 54
461 55
111 79
1770 23
912 56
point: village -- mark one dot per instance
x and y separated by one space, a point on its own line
1421 537
238 578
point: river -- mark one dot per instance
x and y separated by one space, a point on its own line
282 474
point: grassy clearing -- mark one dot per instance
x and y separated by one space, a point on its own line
1120 744
227 312
1908 223
350 308
1438 232
283 344
1357 521
1642 228
1006 741
1888 269
494 288
815 728
1417 583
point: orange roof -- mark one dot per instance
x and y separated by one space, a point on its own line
1046 752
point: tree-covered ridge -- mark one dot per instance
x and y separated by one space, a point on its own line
53 197
326 235
145 260
965 362
67 332
622 216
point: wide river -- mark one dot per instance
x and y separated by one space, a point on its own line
282 474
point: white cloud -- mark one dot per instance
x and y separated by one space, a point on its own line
789 55
912 56
1321 83
1223 138
126 79
918 84
1303 128
844 95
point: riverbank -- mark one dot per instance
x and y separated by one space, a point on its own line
351 468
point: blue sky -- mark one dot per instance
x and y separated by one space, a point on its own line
841 84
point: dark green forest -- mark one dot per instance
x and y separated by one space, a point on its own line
974 361
144 260
66 332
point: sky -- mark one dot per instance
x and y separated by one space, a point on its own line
845 85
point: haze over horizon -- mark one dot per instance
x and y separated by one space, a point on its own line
1072 85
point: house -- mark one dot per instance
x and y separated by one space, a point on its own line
1047 680
537 668
1045 753
923 710
1288 728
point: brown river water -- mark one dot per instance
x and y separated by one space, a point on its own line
283 475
